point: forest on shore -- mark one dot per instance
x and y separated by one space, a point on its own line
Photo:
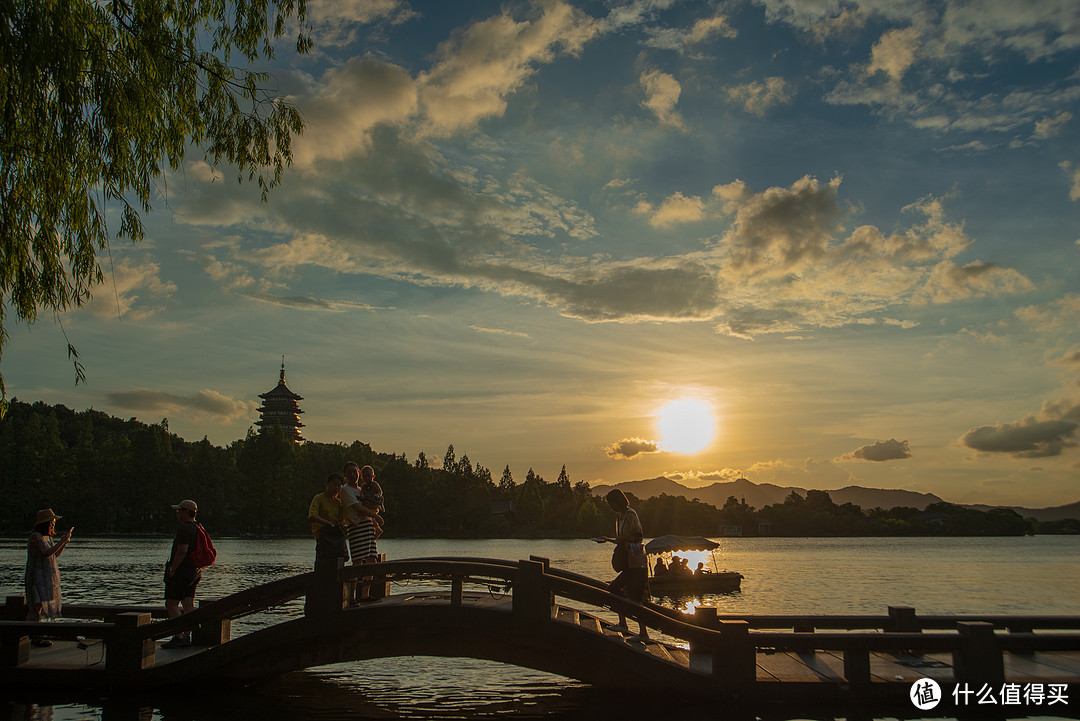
107 475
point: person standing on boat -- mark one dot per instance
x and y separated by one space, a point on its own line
42 581
631 582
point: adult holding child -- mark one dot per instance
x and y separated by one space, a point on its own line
42 580
365 523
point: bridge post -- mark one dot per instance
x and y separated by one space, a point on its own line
533 601
857 665
327 595
735 661
128 649
979 658
380 587
902 620
213 632
14 645
15 608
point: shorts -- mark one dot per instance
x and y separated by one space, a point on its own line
182 584
631 584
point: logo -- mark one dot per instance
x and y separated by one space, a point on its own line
925 694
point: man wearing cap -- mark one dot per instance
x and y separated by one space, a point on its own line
181 575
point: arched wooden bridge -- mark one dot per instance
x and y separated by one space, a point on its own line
529 614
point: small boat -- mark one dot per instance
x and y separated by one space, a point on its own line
676 584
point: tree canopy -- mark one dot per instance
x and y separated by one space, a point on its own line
97 99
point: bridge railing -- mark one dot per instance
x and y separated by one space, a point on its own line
730 643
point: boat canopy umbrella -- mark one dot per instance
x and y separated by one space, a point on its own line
663 544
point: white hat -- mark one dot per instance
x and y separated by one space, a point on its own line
187 505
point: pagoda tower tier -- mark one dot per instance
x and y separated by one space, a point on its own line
281 407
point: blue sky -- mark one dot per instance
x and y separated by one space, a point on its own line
848 230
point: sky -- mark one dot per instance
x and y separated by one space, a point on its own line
842 237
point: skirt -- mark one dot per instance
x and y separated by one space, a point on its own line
362 541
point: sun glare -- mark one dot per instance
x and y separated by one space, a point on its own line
686 426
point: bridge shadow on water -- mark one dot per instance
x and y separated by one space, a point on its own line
439 688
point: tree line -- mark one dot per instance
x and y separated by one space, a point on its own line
109 475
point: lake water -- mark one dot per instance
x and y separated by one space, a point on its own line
1022 575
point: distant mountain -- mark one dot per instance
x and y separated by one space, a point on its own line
1054 513
760 495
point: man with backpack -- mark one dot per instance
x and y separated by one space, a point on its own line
191 550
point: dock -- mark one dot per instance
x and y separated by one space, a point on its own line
529 614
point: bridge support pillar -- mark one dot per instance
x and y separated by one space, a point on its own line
129 650
327 595
979 658
533 601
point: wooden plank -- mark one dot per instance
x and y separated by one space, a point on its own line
833 660
589 623
891 666
787 667
566 615
828 667
657 650
1041 667
680 656
761 671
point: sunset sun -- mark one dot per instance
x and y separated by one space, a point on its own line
686 426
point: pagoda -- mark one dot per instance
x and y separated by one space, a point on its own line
281 407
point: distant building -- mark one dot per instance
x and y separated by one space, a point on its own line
730 530
281 407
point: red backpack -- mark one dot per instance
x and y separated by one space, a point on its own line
204 554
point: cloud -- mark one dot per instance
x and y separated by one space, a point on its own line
126 285
1071 360
499 331
676 210
632 448
1051 126
784 226
1046 434
894 53
303 302
1051 316
929 68
1074 177
661 96
706 28
758 96
335 21
890 450
680 40
206 405
481 66
343 108
778 260
977 279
